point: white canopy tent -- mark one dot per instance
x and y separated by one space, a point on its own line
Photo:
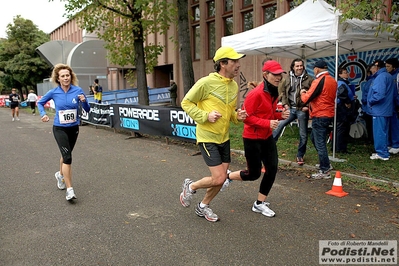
311 30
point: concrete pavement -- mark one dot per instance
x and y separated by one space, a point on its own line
128 210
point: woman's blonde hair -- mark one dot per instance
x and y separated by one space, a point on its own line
55 75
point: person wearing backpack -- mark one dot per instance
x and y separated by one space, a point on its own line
98 92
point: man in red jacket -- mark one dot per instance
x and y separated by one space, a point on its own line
259 145
321 98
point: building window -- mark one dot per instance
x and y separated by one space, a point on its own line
228 5
195 29
211 28
197 42
395 11
228 26
248 22
211 9
292 4
269 13
246 3
196 13
211 39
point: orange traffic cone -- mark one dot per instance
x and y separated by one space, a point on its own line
336 189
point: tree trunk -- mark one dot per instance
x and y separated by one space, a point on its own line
140 65
142 87
186 61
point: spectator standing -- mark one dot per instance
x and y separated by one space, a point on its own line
173 93
380 100
321 99
98 91
15 99
67 97
392 66
344 113
259 145
212 103
291 100
32 98
368 119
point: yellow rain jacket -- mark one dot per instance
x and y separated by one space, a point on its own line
212 93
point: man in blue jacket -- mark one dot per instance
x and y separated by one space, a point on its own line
392 66
380 101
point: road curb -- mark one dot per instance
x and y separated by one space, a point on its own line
366 178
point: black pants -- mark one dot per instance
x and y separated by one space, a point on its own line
342 136
258 151
33 107
66 139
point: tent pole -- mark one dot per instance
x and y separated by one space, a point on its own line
335 106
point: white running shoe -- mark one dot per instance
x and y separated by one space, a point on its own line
207 213
186 195
70 194
17 118
375 156
263 208
394 150
13 119
60 180
321 175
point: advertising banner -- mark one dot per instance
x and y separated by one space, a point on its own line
99 114
356 64
154 120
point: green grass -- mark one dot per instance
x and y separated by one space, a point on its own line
357 162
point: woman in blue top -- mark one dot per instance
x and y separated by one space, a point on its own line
67 97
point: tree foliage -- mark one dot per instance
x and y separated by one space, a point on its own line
365 9
125 25
19 62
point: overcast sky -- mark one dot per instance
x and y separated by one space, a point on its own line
47 16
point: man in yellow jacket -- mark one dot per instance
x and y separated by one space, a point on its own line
212 103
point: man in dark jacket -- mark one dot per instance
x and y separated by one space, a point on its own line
173 92
345 111
291 99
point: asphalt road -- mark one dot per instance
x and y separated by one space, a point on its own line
128 212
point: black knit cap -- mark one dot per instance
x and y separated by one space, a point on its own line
378 63
393 61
